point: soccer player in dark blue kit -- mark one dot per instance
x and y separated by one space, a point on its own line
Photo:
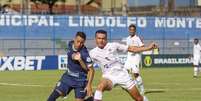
79 74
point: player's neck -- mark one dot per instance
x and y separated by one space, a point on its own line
101 47
73 47
132 35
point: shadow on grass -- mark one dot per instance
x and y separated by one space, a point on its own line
154 91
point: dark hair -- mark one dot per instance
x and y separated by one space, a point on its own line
101 31
81 34
196 39
132 25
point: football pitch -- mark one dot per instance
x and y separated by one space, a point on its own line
161 84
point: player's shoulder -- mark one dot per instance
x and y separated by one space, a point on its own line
112 44
136 37
139 38
84 50
128 38
70 43
93 50
197 45
115 45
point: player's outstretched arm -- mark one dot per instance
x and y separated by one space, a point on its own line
141 49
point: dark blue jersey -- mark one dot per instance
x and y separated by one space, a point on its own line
74 65
75 71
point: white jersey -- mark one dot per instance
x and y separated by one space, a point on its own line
107 57
196 51
134 58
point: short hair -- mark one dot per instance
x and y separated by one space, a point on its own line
81 34
132 25
196 39
101 31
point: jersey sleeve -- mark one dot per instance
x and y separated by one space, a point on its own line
200 47
127 41
121 47
140 42
91 54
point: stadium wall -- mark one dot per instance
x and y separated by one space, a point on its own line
38 34
54 62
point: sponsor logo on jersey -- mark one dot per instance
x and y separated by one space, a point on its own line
88 59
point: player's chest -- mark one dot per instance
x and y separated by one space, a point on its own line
104 54
133 42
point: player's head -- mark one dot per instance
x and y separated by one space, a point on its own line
196 41
101 38
132 29
79 40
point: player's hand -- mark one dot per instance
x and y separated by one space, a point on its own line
155 46
76 56
89 91
151 45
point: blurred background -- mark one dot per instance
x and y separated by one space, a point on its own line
35 40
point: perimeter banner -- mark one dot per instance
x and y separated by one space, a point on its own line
177 60
14 63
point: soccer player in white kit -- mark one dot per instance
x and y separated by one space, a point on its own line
196 57
133 59
113 72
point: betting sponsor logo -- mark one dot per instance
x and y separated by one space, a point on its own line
21 63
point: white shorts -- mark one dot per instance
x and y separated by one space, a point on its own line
196 61
120 77
132 67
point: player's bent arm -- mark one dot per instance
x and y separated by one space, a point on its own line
77 56
89 69
83 65
140 49
90 77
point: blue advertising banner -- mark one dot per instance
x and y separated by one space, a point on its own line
11 63
15 63
62 26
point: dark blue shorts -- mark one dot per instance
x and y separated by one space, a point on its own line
66 87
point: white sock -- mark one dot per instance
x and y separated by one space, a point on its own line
140 84
98 95
195 71
145 98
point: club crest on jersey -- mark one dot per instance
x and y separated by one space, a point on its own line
88 59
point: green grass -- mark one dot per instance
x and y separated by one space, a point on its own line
161 84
